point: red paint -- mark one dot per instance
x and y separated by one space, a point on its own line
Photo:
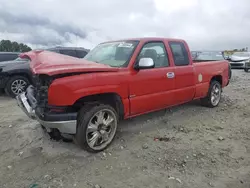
141 91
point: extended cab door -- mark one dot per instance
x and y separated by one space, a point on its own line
152 89
184 72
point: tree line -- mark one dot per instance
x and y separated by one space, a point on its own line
230 52
9 46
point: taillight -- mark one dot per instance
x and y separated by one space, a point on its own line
229 71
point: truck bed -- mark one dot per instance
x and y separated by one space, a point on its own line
205 68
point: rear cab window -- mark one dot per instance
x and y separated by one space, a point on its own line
179 53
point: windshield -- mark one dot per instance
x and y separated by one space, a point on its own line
241 54
114 54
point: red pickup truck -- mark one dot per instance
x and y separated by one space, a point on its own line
85 98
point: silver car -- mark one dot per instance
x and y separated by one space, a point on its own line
240 60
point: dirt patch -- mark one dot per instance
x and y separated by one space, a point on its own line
185 146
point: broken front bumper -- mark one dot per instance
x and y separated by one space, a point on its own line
65 123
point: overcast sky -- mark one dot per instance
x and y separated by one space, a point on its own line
204 24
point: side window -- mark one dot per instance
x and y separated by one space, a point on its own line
69 52
14 56
81 53
8 57
179 53
156 51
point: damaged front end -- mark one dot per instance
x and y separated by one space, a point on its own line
35 98
40 90
34 102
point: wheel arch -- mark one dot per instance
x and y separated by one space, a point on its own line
110 98
217 78
24 74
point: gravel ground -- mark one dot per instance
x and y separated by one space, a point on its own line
185 146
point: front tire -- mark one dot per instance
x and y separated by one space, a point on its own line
246 70
96 127
214 95
16 85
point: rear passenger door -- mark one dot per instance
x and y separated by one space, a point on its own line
184 73
152 89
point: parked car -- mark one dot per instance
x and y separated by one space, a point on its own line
71 51
209 56
15 75
240 60
8 56
85 98
194 54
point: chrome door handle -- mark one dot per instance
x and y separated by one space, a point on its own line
170 75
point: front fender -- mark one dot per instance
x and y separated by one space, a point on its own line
65 95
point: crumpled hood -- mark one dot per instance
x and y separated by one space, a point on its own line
238 59
51 63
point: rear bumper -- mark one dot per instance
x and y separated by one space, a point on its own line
65 122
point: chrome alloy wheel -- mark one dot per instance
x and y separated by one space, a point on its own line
18 86
215 94
101 129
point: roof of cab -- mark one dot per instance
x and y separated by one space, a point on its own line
10 52
145 39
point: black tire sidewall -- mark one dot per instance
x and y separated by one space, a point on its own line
8 90
85 114
246 70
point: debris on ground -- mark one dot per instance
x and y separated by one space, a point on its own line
97 186
9 167
221 138
145 146
47 177
104 154
173 178
34 185
20 153
210 184
165 139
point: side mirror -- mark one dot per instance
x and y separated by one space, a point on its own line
145 63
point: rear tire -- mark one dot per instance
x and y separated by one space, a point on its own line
214 95
94 133
16 85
